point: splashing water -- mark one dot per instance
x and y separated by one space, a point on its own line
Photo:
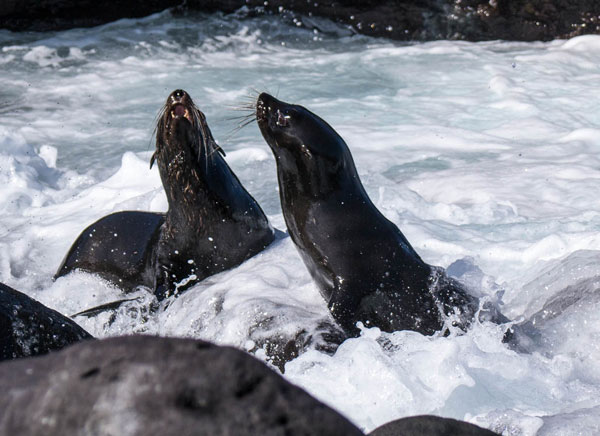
485 155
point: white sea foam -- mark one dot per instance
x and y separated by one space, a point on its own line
485 155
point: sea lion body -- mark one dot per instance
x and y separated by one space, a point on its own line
212 223
364 266
28 328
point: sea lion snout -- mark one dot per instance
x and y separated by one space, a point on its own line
179 105
262 107
271 113
268 107
178 95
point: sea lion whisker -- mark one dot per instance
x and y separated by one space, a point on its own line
236 129
216 149
239 108
249 101
243 119
160 114
240 126
206 138
246 122
249 106
157 132
254 93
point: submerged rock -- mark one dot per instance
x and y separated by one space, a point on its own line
473 20
28 328
431 426
143 385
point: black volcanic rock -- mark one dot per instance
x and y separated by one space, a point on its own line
41 15
474 20
28 328
142 385
430 426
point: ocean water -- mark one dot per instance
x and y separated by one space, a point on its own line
486 155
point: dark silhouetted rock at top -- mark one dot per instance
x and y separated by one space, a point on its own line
43 15
474 20
430 426
28 328
142 385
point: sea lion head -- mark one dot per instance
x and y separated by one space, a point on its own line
182 132
305 146
296 129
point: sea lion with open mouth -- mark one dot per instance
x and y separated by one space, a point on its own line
364 267
212 223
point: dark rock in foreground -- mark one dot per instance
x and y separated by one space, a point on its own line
431 426
473 20
141 385
28 328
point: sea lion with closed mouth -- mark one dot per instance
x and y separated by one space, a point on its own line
364 266
212 223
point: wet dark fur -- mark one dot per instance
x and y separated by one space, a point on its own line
363 265
212 220
212 223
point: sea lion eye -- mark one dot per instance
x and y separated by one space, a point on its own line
282 119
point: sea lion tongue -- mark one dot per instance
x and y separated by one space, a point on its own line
179 110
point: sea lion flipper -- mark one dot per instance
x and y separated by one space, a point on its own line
93 311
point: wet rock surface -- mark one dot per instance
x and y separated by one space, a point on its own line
43 15
430 425
142 385
28 328
473 20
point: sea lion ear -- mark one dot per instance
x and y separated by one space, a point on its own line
210 140
152 159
